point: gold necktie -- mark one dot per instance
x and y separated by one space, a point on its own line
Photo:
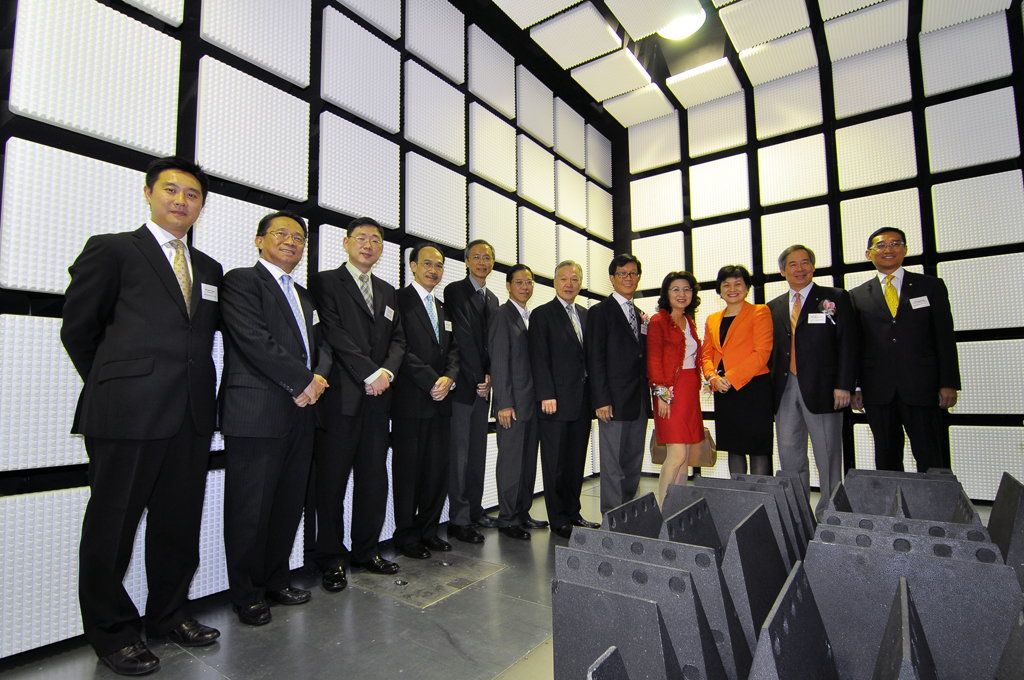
180 267
892 298
793 316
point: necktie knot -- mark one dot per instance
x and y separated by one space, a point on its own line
178 245
363 278
286 279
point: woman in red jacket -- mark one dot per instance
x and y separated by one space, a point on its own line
673 360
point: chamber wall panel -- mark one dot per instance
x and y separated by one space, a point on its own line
492 217
435 114
876 152
654 144
599 157
991 373
788 104
972 130
717 245
973 284
978 212
861 216
536 173
792 170
492 72
806 226
386 15
599 212
980 455
572 245
331 254
717 125
492 147
271 34
719 187
168 11
537 236
434 205
943 63
435 31
535 106
570 194
656 201
659 255
872 80
598 258
570 134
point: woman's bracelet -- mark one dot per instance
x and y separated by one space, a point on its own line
663 393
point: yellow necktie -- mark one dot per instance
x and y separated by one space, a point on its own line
892 298
793 316
180 268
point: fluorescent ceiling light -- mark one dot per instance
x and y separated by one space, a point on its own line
684 25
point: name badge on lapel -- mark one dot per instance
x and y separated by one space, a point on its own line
643 328
448 325
919 302
816 317
316 318
209 292
389 313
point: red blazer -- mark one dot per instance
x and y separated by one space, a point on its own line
747 348
666 347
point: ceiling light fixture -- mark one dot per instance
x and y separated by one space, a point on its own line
684 25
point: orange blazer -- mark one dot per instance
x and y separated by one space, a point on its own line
747 347
666 346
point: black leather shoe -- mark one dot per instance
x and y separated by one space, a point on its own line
487 522
515 532
580 522
414 550
378 565
134 659
289 596
255 614
437 544
334 580
565 531
191 633
466 534
531 523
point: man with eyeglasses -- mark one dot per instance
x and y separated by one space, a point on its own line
364 329
616 348
909 369
471 305
275 363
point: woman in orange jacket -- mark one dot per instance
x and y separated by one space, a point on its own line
734 361
673 355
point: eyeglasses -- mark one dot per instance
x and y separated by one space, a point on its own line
882 245
677 289
481 258
374 241
627 275
284 236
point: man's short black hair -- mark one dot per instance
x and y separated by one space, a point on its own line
364 222
517 268
882 230
264 225
621 260
733 271
154 169
414 254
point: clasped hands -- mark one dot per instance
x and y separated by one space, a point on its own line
313 390
440 389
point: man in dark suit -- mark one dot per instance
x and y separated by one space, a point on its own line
422 407
274 368
813 362
616 344
471 305
909 371
139 318
560 382
364 330
514 405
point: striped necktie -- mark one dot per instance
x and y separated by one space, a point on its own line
293 302
364 288
571 310
432 313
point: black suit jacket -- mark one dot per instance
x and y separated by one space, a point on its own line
826 353
426 359
558 360
360 342
471 315
264 356
912 355
616 361
509 347
142 356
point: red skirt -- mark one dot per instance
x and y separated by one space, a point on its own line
685 424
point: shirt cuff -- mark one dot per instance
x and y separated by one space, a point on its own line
376 374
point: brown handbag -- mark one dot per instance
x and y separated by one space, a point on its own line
658 450
707 453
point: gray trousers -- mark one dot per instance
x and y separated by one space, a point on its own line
793 424
516 471
622 454
468 458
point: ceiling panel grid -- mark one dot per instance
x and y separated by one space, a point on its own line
654 144
792 170
599 211
492 147
972 130
717 245
939 14
642 18
535 106
536 173
973 285
435 114
435 32
528 12
978 212
788 104
656 201
570 194
576 36
861 216
779 58
492 72
492 217
944 63
384 14
611 75
807 226
570 134
704 83
876 152
639 106
169 11
717 125
755 22
719 187
872 80
830 9
879 25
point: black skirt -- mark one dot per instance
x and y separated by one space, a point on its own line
743 418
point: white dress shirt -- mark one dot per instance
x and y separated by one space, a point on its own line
164 237
897 281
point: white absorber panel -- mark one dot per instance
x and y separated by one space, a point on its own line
986 41
39 390
864 450
496 284
774 289
436 32
359 171
226 229
599 157
974 286
654 144
535 106
753 22
570 133
717 245
717 125
972 130
331 254
719 187
788 104
237 113
611 75
639 105
779 58
492 217
78 64
361 73
978 212
576 36
492 72
37 208
872 80
792 170
876 152
572 245
599 211
598 258
536 173
980 455
704 83
991 373
593 464
537 242
168 11
861 216
806 226
570 194
385 15
659 255
541 294
881 24
492 147
648 465
938 14
435 201
435 114
271 34
656 201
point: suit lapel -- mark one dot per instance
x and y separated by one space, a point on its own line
349 284
875 291
581 314
624 321
746 310
274 289
714 323
154 254
377 286
420 312
906 291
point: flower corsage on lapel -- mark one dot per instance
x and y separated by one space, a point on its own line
828 308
